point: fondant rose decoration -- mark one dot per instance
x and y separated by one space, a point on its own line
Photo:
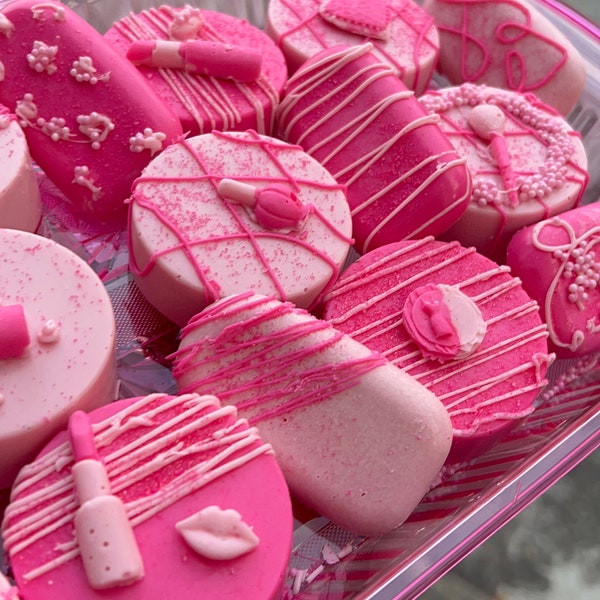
444 322
275 206
362 17
218 534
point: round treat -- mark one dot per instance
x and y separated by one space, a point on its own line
357 439
558 261
459 323
92 122
57 347
404 178
203 101
200 498
20 205
222 213
510 45
402 33
527 163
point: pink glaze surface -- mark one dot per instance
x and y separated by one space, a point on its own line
534 168
507 44
190 245
404 179
20 204
487 390
203 103
167 458
558 260
358 440
92 122
402 33
69 362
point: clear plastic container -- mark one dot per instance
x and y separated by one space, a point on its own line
472 502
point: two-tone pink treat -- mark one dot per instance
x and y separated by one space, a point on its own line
226 212
460 324
154 497
558 260
404 178
403 35
91 120
507 44
215 71
358 440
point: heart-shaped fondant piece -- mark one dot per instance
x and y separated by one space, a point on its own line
363 17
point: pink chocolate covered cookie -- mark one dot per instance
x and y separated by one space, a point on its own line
214 70
222 213
526 161
459 323
155 497
558 260
510 45
404 179
91 120
20 204
402 33
357 439
57 344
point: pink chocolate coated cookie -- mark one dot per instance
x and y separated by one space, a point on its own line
241 99
20 204
201 503
91 120
402 33
459 323
57 344
510 45
357 439
558 260
404 179
526 161
225 212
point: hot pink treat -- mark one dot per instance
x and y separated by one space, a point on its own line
20 204
526 161
459 323
57 344
558 260
198 490
404 179
402 33
222 213
92 122
357 439
510 45
214 70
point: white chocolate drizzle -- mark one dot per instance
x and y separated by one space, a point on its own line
6 27
38 513
96 127
147 140
83 70
58 12
82 176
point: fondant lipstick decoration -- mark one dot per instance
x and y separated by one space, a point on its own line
107 544
216 59
14 335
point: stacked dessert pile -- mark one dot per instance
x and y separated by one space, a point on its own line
247 169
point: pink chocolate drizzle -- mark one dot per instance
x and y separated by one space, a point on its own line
254 235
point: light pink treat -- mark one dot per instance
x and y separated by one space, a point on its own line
57 344
200 499
458 323
20 204
358 440
558 260
526 161
222 213
234 85
91 120
402 33
510 45
404 179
